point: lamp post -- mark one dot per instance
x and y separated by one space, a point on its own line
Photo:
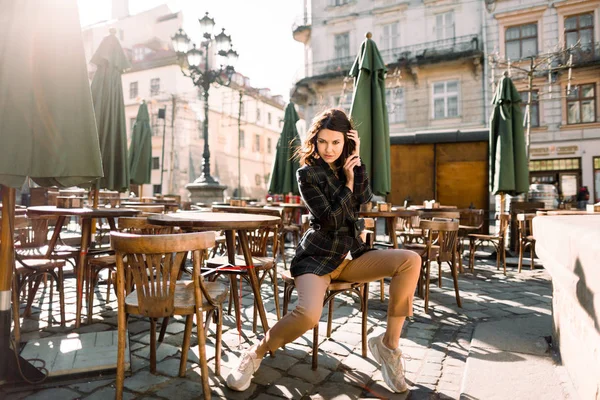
190 61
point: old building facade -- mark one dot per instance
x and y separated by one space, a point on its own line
435 95
244 122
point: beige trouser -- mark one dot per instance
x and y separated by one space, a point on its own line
403 266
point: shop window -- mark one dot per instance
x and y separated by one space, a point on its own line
596 179
581 104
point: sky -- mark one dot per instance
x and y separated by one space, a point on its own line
261 33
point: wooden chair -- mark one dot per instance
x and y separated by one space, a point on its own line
265 264
441 242
471 221
154 262
95 265
407 226
498 240
334 288
28 275
525 226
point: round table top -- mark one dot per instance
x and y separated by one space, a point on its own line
83 212
387 214
287 205
214 220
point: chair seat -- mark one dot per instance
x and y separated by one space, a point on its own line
38 265
483 236
184 297
103 261
259 262
530 238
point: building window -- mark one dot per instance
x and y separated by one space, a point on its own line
445 99
242 140
269 118
335 3
390 37
444 25
395 105
155 162
133 90
256 145
344 102
521 41
242 109
581 104
580 29
156 189
258 115
154 86
596 179
535 107
257 179
269 145
342 45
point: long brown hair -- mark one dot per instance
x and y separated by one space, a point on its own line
333 119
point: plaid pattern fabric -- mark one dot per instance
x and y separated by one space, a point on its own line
334 208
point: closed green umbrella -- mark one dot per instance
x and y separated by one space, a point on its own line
370 117
107 94
47 126
509 171
283 177
140 149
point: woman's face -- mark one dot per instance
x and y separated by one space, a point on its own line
330 145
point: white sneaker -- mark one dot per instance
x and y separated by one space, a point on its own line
240 377
391 364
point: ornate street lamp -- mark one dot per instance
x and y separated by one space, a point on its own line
195 63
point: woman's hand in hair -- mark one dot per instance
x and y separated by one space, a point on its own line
353 135
351 162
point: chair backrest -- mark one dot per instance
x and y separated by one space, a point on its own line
407 220
525 222
443 234
504 219
431 214
140 225
31 232
147 208
258 239
154 262
472 217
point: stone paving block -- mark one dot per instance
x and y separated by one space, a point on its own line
264 396
378 389
295 350
180 389
290 388
109 393
163 351
266 375
280 361
88 387
332 346
138 363
336 391
356 362
144 381
170 367
54 394
304 371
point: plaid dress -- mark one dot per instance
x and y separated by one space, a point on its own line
334 210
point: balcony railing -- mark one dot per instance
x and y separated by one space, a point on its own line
418 52
584 54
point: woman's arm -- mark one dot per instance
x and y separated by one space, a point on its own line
332 213
362 189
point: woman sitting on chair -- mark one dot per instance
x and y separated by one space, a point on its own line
333 183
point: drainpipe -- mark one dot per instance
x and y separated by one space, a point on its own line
484 66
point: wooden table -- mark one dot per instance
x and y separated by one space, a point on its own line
86 215
229 223
391 218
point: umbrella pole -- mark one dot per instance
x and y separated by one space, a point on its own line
502 202
9 366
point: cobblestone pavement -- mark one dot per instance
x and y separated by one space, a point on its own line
437 342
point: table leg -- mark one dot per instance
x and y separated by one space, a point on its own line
230 242
60 221
392 231
86 232
253 280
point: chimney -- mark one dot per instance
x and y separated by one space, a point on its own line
120 9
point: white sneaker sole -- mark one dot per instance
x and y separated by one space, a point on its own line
384 371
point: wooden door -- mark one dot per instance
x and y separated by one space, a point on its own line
462 174
413 173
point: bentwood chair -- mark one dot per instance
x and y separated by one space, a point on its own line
497 240
154 263
526 239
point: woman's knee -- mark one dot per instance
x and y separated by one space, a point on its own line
306 318
408 262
